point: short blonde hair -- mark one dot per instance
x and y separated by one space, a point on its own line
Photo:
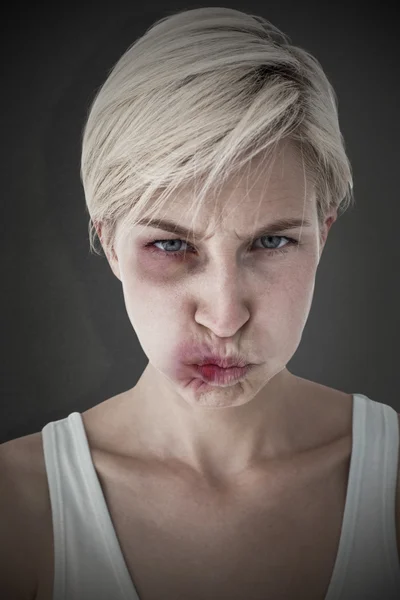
194 99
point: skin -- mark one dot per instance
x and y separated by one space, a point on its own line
227 295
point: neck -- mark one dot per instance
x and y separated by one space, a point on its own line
215 442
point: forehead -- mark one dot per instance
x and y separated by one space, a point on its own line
270 188
281 167
266 185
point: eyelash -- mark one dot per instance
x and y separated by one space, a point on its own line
175 254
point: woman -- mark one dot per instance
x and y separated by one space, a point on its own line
214 167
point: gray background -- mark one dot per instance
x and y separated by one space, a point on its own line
66 342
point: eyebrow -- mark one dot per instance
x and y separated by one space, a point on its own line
271 228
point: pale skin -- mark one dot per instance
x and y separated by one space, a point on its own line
230 296
199 481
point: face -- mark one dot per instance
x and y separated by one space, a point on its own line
222 293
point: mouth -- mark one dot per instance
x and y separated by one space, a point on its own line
213 373
223 363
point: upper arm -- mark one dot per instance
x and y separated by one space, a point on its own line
18 574
398 499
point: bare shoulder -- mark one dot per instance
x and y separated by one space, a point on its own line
343 401
22 460
326 413
24 504
398 498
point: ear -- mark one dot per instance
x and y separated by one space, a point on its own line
111 255
329 221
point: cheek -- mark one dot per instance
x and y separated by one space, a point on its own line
157 270
285 299
150 297
143 272
300 295
157 288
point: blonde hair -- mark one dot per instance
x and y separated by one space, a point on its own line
194 99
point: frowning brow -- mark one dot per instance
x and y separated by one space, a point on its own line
269 229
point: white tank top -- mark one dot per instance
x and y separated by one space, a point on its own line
88 560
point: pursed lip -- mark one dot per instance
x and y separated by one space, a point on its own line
223 362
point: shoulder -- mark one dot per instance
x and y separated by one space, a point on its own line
22 460
398 497
25 504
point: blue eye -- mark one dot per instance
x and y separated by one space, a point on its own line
175 252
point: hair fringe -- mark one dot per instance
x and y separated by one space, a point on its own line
193 100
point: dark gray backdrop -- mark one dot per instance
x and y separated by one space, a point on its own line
66 341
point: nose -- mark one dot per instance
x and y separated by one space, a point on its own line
222 302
